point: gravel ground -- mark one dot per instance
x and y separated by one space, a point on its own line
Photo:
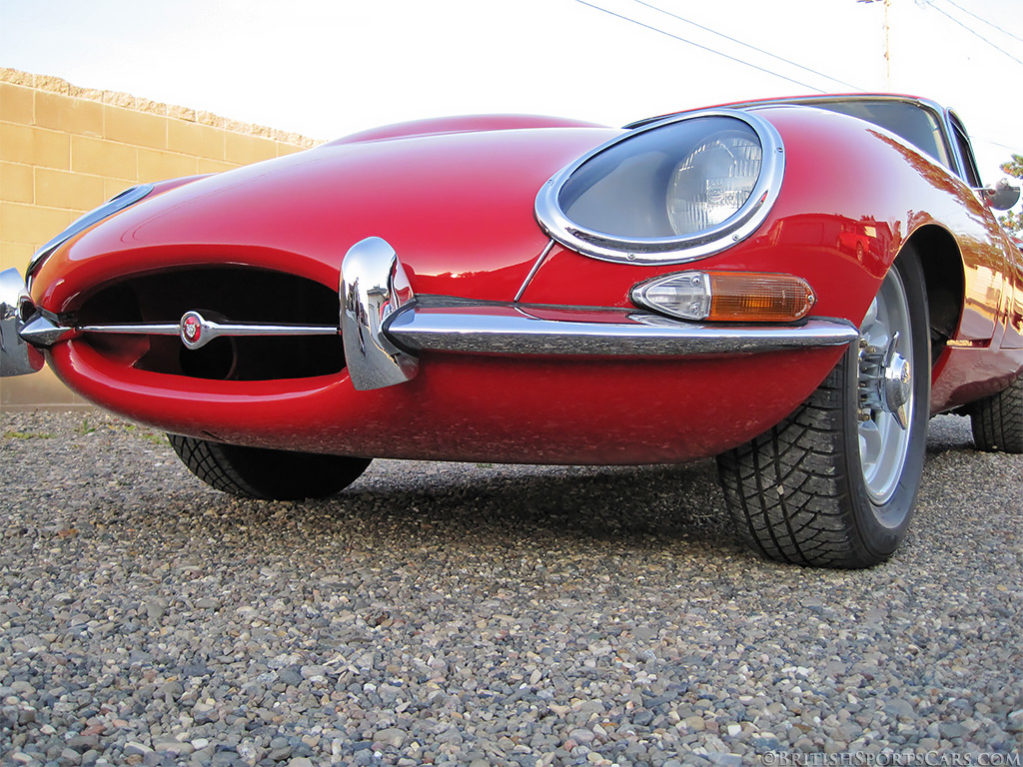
484 615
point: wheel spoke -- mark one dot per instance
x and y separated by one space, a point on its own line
870 446
877 336
871 316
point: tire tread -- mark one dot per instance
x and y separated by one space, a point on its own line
266 474
782 486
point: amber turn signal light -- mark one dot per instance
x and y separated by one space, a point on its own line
727 296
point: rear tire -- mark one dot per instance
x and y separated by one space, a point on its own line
834 484
252 472
997 420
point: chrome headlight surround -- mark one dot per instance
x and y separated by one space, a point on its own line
679 248
114 205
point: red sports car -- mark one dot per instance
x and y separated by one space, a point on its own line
794 286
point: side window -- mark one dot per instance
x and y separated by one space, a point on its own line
965 152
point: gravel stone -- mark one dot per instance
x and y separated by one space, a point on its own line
1015 723
391 736
471 614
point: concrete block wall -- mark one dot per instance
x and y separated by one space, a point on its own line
65 150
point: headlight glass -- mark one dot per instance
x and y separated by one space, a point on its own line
713 181
672 191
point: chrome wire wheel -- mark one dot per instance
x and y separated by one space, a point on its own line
885 387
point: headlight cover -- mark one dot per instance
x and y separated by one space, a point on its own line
114 205
673 191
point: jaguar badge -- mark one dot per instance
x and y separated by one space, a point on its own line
193 327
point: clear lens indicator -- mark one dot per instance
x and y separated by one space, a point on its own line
684 295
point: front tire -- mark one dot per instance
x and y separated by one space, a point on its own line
252 472
834 484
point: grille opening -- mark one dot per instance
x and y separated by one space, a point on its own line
238 294
218 359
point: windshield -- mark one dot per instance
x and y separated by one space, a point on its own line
916 124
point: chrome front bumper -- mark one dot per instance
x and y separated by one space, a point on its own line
384 327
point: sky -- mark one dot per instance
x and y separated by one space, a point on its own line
326 68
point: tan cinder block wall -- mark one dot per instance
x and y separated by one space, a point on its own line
65 150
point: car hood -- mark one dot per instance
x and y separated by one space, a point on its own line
456 205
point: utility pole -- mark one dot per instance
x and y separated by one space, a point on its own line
887 41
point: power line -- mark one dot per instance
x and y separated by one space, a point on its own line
747 45
698 45
973 32
978 18
1000 145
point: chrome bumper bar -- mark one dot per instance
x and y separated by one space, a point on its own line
542 330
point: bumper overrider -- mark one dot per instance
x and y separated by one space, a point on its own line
17 356
384 327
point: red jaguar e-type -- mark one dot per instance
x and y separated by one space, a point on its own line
794 286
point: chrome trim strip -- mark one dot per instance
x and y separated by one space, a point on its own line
42 331
532 272
807 101
235 329
141 329
16 358
967 166
211 330
207 330
373 286
536 330
681 248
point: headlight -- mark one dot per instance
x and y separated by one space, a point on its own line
672 191
110 207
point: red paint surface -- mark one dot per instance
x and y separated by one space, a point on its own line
476 408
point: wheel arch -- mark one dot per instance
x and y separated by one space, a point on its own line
944 280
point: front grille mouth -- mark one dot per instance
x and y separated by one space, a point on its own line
252 324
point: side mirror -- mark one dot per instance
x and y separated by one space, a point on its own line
1002 195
